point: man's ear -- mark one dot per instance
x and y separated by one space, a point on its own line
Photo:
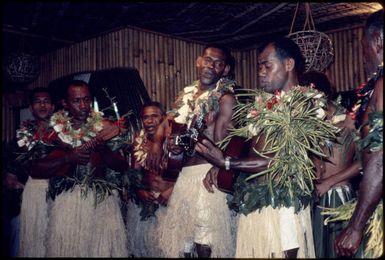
289 64
199 61
226 70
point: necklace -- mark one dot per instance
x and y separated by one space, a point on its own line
62 125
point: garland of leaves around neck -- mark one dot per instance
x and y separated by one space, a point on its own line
294 126
364 95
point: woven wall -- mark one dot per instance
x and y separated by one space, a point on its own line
167 64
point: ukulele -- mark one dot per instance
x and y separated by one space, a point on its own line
186 138
237 147
109 131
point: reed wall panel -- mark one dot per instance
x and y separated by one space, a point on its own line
167 64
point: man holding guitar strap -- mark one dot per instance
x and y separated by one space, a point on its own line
142 221
195 218
85 218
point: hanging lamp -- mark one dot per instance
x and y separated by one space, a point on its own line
316 47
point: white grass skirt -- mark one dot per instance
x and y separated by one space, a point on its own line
33 218
195 215
77 229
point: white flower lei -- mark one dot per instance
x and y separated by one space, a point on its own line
140 152
190 107
61 123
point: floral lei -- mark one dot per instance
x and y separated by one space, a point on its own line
294 126
28 135
61 123
186 107
140 152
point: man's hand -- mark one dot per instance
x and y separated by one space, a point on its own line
321 187
211 178
212 153
348 241
78 156
165 196
172 146
145 196
12 183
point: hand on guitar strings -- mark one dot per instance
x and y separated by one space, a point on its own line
212 153
78 156
211 178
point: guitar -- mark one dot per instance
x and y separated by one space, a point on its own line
186 138
108 132
237 147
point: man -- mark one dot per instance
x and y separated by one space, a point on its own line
196 219
34 209
152 195
276 226
370 193
334 173
85 218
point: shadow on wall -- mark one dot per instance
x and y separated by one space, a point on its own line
124 86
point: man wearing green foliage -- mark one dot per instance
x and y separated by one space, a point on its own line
367 218
286 124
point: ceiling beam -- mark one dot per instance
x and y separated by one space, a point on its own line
13 31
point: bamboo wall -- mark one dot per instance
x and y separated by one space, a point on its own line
347 71
167 64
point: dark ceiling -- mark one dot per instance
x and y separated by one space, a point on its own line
41 27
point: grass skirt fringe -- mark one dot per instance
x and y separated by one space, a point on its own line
262 234
33 219
142 236
195 215
77 229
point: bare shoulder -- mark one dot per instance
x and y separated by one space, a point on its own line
378 94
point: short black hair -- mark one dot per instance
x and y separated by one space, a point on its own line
320 80
287 48
223 48
153 104
38 90
375 23
77 83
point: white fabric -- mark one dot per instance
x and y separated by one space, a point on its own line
33 218
195 215
77 228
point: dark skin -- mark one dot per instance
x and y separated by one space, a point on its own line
274 75
78 104
370 193
211 67
41 109
151 118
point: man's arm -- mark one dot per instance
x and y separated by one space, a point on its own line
223 121
55 161
215 156
370 193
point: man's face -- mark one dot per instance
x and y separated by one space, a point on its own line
272 74
151 117
41 107
78 102
212 66
369 53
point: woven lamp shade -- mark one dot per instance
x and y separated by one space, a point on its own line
22 67
316 47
